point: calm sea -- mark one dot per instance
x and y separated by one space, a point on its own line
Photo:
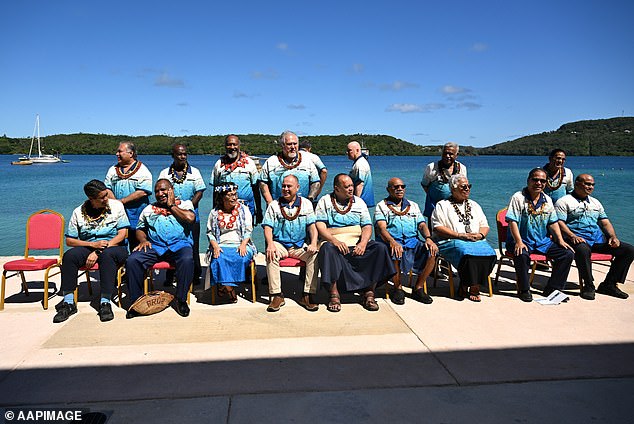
26 189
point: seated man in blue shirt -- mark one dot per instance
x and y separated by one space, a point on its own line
531 217
586 226
398 223
289 223
164 232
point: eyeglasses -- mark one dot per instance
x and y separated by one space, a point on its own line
396 187
539 180
588 184
465 186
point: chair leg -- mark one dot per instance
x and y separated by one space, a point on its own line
4 282
253 294
530 280
497 273
120 273
450 273
24 285
46 289
490 286
88 282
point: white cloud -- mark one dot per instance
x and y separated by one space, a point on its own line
479 47
165 80
267 74
414 108
296 107
469 105
282 46
452 89
358 68
398 85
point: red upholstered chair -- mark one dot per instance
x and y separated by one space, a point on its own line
505 255
44 231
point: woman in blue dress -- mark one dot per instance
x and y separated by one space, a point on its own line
460 229
229 229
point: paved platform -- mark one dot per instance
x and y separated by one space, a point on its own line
500 360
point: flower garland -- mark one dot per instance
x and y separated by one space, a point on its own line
531 208
233 216
466 217
444 176
240 162
174 174
550 181
334 205
159 210
397 212
295 215
89 220
131 171
280 158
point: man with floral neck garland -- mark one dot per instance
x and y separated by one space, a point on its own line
559 180
360 173
437 175
399 221
348 259
130 182
164 233
289 162
96 235
188 184
289 224
586 226
237 167
531 217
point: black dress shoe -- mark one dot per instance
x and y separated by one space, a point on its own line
131 314
526 296
419 295
64 311
398 297
182 308
105 312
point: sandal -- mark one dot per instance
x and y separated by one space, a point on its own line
369 303
471 292
228 291
334 305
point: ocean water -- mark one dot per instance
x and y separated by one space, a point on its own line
26 189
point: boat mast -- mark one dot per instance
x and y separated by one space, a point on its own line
37 123
36 129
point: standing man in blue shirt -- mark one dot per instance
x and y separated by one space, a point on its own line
164 233
306 150
586 226
361 174
188 184
130 182
289 231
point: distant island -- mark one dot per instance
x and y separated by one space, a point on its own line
600 137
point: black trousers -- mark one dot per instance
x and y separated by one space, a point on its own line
623 257
562 259
109 261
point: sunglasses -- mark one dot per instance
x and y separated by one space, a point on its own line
465 186
588 184
403 186
538 180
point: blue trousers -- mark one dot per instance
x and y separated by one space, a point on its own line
139 261
109 261
562 259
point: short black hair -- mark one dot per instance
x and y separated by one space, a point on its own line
553 152
93 187
534 171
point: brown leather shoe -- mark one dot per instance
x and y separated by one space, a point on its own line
306 303
277 301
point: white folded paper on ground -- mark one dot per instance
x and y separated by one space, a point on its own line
555 298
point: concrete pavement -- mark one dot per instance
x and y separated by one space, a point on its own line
501 360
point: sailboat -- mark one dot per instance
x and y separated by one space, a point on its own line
40 158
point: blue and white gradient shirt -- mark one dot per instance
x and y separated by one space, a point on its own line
163 229
273 172
123 187
315 159
106 228
404 228
358 215
244 176
361 173
582 217
290 233
566 187
533 226
192 184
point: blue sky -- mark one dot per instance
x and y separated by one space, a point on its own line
477 73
